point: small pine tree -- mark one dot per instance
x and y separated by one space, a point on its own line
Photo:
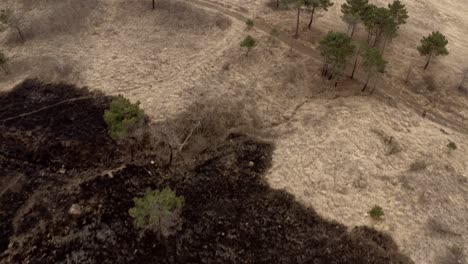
376 213
122 117
249 43
249 23
9 19
433 45
373 63
158 211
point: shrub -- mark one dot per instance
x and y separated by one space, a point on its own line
122 117
418 165
158 211
274 32
451 145
376 212
249 23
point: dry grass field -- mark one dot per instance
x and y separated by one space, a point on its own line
336 150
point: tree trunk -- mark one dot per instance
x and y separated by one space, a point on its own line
324 68
277 3
169 163
378 35
384 45
20 33
332 72
311 18
373 87
368 36
247 53
463 80
428 61
297 23
352 32
365 85
355 65
154 4
408 74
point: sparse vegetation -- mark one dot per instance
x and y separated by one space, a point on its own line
433 45
274 34
158 211
376 212
122 117
249 43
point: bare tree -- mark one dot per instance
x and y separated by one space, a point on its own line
9 19
3 61
463 79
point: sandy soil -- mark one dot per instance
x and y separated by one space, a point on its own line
332 145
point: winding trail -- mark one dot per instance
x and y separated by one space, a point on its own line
434 116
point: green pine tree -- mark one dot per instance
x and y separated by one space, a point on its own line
433 45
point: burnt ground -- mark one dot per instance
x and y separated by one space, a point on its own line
59 156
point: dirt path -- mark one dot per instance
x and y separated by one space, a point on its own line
389 92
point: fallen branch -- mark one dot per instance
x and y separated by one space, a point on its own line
45 108
189 135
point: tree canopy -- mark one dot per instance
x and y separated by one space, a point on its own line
354 7
433 45
398 12
335 48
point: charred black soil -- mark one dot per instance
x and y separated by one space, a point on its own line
58 155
